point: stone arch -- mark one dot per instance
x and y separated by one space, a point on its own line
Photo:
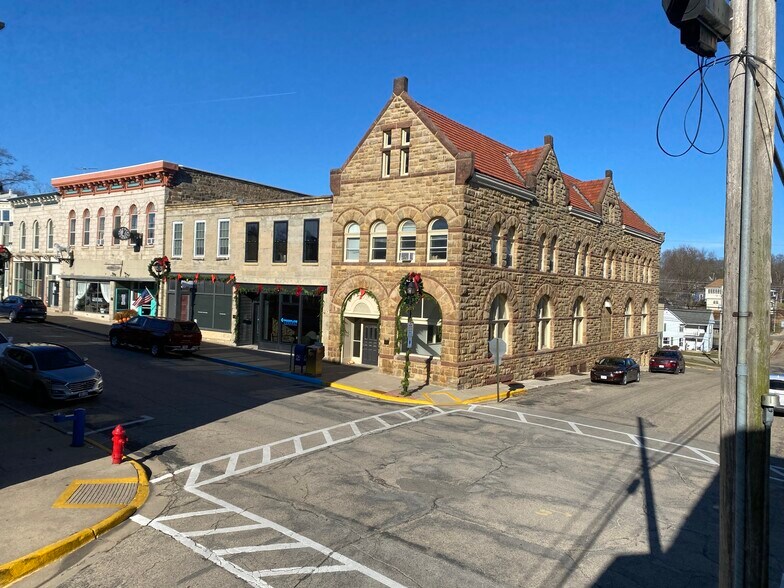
440 210
543 290
501 287
348 216
510 222
433 288
355 282
359 305
405 212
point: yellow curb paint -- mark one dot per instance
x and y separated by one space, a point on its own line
505 395
378 395
451 399
18 568
62 501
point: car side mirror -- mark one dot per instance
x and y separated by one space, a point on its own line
84 359
29 368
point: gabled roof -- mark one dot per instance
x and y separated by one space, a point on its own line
691 316
502 162
716 283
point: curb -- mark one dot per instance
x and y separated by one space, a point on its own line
27 564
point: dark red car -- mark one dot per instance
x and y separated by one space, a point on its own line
621 370
159 335
667 360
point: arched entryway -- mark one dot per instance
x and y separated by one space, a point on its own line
361 329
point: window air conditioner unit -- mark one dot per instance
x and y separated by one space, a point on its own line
99 242
406 256
151 241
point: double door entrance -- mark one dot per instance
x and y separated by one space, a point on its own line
364 341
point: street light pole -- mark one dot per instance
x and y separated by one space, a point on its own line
411 292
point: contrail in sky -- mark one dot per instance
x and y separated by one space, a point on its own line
239 98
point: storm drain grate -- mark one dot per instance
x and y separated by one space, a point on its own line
97 493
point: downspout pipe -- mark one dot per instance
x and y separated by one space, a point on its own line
742 367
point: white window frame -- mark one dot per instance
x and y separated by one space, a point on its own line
36 236
218 253
86 230
401 234
196 224
544 321
23 235
644 318
49 235
150 227
405 137
405 161
100 228
498 326
431 232
175 240
628 320
578 322
351 236
378 230
495 240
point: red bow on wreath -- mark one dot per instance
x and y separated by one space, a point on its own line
278 287
361 293
298 291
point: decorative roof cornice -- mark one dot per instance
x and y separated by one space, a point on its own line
641 235
34 199
135 177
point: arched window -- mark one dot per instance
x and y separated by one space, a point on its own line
86 227
616 259
605 326
351 242
72 228
552 256
544 242
499 319
509 252
437 240
378 241
578 322
116 224
49 234
150 224
133 220
406 241
543 323
628 325
36 236
644 318
578 258
495 238
22 235
426 316
586 269
101 227
606 265
550 189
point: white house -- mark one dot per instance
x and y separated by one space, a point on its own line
688 329
713 293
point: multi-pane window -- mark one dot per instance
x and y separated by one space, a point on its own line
544 244
628 327
22 235
133 219
36 236
437 240
543 324
585 268
86 227
605 325
116 224
310 245
644 318
251 242
351 242
72 228
223 237
499 319
426 318
280 241
578 258
199 230
150 224
578 322
406 241
386 154
177 239
509 248
606 265
101 227
552 255
405 142
49 234
495 239
378 241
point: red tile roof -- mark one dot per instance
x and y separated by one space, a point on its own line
510 165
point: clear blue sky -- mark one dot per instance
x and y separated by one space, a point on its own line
97 84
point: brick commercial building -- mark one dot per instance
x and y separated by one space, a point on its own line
508 246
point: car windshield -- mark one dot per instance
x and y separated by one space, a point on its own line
667 354
187 327
56 359
611 361
33 304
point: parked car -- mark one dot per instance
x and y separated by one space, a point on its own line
159 335
49 371
23 307
667 360
776 386
5 342
615 369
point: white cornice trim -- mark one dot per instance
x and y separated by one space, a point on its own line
584 214
641 235
486 181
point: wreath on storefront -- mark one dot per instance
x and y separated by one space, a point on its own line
159 268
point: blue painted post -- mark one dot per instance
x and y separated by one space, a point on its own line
80 415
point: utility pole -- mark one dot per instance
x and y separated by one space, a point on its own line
743 555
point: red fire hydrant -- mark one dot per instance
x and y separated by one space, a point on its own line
119 439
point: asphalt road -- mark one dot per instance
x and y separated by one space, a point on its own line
264 481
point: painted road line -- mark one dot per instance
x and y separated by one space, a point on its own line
187 515
142 419
258 548
223 530
701 453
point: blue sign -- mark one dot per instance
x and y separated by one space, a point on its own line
289 322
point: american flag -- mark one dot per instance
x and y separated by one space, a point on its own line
142 299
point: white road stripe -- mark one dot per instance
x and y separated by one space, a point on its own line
305 570
634 439
298 446
258 548
328 437
701 453
223 530
232 464
161 478
186 515
142 419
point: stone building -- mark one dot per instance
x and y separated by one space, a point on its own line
508 246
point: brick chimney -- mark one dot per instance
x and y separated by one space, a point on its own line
400 85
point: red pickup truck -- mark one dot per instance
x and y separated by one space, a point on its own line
159 335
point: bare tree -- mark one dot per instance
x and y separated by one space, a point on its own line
11 175
685 271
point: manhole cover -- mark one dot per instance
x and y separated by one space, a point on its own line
97 493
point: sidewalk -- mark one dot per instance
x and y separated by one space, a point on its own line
56 497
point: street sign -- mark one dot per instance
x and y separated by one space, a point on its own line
497 349
410 334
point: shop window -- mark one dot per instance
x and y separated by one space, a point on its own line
426 317
280 241
378 241
351 242
251 242
438 238
310 245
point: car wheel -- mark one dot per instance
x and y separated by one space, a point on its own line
114 341
156 349
683 370
638 376
12 317
42 396
624 380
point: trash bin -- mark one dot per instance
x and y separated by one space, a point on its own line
315 359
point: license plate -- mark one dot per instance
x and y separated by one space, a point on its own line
603 377
83 393
661 366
